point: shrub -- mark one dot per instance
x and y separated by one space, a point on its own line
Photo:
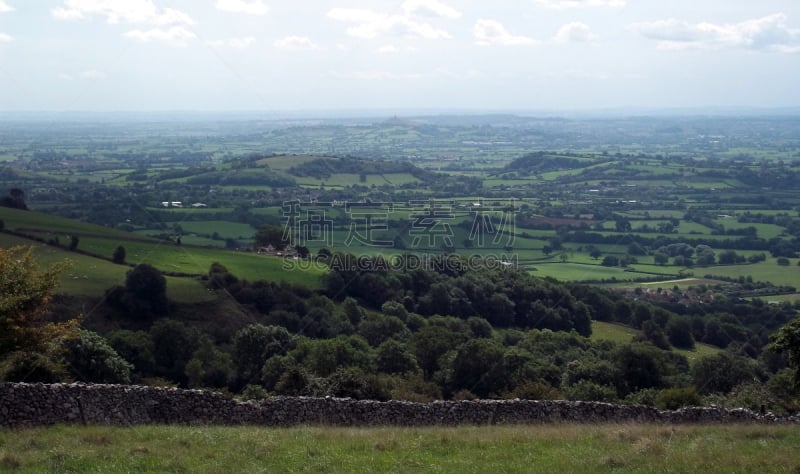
674 398
590 391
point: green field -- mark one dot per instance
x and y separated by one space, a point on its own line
565 448
91 276
763 271
625 334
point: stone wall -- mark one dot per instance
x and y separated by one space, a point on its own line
24 404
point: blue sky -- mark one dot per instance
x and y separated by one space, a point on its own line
270 55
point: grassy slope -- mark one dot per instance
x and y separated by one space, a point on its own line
91 276
624 334
524 448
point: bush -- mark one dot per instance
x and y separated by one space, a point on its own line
254 392
589 391
533 390
675 398
31 367
92 359
645 396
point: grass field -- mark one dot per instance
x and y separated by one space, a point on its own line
469 449
89 276
625 334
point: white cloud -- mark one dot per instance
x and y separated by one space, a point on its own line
378 76
296 43
169 24
370 24
434 7
568 4
67 14
6 38
392 49
254 7
63 76
769 33
493 33
176 35
118 11
388 49
235 43
579 74
93 74
575 32
5 7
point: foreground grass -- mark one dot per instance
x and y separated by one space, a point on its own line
539 448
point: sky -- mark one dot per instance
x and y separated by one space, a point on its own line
498 55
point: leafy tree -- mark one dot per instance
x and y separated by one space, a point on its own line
478 367
678 397
73 242
15 199
431 342
353 382
324 356
721 372
174 344
653 333
377 328
119 255
601 372
92 359
394 357
590 391
146 291
727 257
641 366
135 347
209 366
25 292
610 261
271 235
787 339
254 344
679 333
220 277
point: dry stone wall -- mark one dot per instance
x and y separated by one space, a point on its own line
24 404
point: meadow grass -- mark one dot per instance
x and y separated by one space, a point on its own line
15 219
89 276
621 334
644 448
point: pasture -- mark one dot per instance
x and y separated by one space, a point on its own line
638 448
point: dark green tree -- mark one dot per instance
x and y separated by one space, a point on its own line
721 372
209 366
146 291
173 344
271 235
91 359
119 255
253 345
679 333
787 339
394 357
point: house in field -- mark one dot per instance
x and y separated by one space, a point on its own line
171 204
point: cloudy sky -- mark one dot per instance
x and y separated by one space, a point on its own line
274 55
